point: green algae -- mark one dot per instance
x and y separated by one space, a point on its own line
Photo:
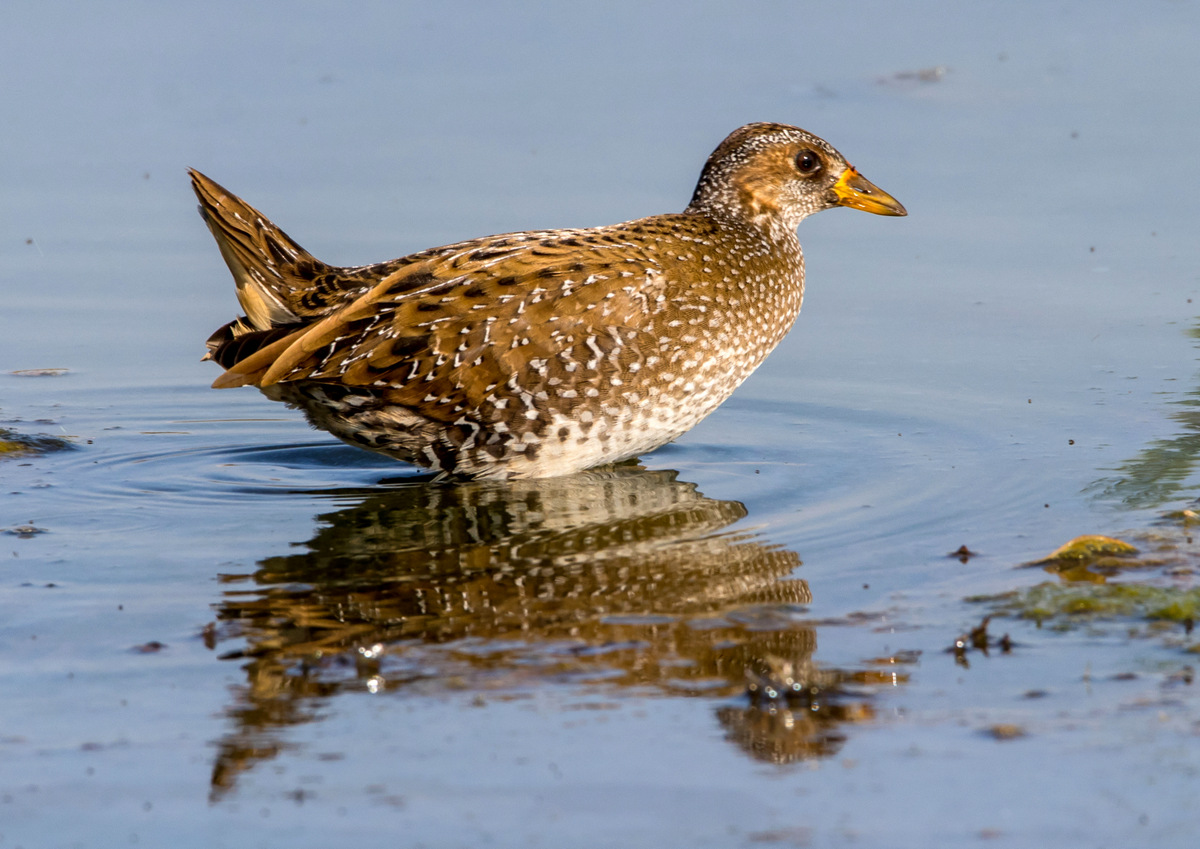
13 444
1066 604
1088 548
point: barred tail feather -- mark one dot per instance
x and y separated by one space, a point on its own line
268 266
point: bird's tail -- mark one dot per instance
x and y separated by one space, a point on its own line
272 272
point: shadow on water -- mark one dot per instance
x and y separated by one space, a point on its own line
620 581
1161 473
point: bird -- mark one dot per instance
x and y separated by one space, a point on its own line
540 353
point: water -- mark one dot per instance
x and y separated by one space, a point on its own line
233 631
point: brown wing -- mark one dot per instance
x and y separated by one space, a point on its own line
481 322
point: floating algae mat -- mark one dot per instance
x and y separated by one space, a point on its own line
1089 548
13 444
1063 604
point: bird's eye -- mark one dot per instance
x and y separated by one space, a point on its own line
807 162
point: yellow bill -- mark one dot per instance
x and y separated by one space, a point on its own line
856 191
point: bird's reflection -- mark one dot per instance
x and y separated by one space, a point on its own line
623 578
1163 471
